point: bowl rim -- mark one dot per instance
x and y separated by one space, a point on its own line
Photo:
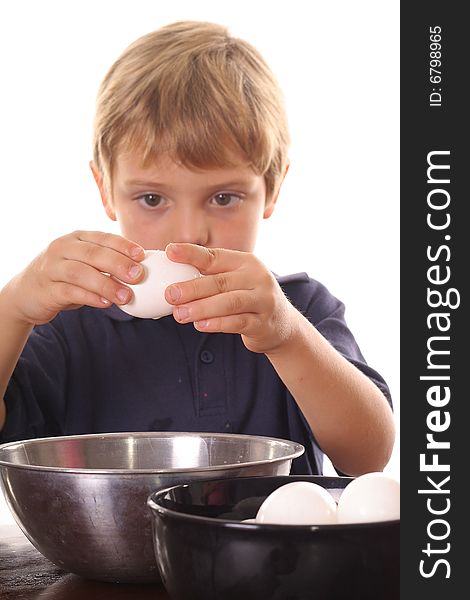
296 450
273 527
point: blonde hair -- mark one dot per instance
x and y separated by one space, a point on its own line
195 93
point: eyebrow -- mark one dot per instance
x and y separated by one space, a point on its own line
142 182
223 184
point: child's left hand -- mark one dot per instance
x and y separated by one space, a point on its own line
237 294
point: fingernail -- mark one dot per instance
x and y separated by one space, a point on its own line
135 271
175 292
172 248
123 294
135 251
182 313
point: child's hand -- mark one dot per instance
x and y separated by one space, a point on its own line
75 270
237 295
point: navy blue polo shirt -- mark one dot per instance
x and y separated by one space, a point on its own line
101 370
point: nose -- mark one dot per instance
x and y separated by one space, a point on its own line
190 226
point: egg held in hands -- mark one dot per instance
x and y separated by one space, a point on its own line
148 296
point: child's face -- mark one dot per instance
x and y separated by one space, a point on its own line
166 202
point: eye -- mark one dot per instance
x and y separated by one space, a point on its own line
224 199
150 200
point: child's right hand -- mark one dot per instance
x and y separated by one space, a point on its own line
75 270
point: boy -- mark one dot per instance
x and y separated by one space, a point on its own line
190 150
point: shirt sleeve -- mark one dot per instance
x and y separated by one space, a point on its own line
34 398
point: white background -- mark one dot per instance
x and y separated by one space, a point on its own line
338 213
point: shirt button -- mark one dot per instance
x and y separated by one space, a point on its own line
206 357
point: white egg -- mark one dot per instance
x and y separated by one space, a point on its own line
298 503
148 300
368 498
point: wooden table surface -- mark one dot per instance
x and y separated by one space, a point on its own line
26 574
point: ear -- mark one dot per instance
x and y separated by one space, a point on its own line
271 203
105 199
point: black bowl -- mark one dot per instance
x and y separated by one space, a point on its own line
205 552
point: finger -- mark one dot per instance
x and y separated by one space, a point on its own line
210 285
232 303
111 240
242 324
207 260
74 297
82 276
102 258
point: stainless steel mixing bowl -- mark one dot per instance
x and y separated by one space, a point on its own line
82 500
